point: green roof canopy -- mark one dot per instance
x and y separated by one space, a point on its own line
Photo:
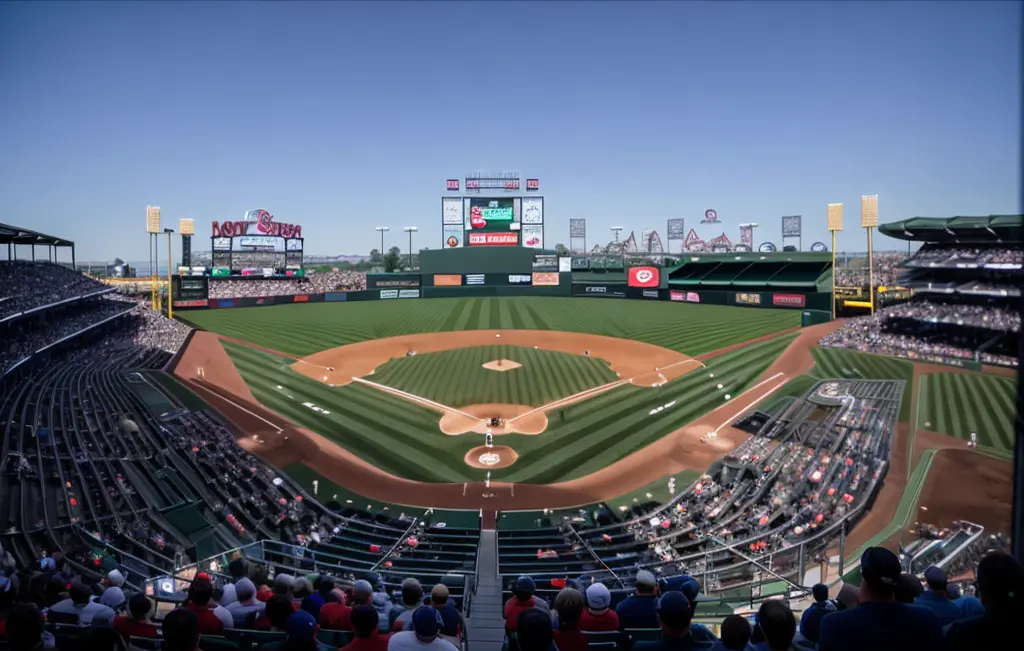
994 229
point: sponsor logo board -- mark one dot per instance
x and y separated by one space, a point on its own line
301 298
644 277
447 280
388 293
533 210
748 298
475 279
493 239
199 302
335 297
686 297
565 265
789 300
650 293
451 211
408 293
520 279
398 282
533 236
545 262
546 279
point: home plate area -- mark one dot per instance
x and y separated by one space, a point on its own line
501 365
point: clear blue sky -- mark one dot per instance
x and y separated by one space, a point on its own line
343 116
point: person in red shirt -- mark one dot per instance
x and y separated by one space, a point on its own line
138 623
275 616
599 616
336 615
569 606
200 594
365 620
521 600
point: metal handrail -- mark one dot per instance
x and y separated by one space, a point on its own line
395 546
596 557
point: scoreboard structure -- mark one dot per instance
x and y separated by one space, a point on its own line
497 209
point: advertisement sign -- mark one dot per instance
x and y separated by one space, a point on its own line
545 262
451 211
687 297
475 279
791 226
520 279
789 300
408 293
533 210
493 239
693 241
565 265
199 302
533 236
598 291
747 236
676 229
453 185
220 272
545 279
748 299
256 222
710 216
222 244
300 298
335 297
447 280
650 293
388 293
452 236
407 281
532 185
644 277
766 247
226 302
577 228
819 247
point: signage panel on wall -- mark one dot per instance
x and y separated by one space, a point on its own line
336 297
493 239
789 300
532 185
408 293
644 277
520 279
545 279
451 210
533 236
577 228
453 185
766 247
447 280
676 229
687 297
475 279
545 262
397 282
748 298
452 236
533 210
565 265
599 291
388 293
650 293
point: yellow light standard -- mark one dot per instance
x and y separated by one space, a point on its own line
153 229
869 221
170 264
835 225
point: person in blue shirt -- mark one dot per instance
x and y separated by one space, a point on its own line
674 617
638 610
969 605
1001 588
879 622
690 588
810 621
935 598
777 624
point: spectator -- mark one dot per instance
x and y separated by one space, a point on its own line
569 605
382 604
137 623
24 626
908 588
777 625
181 630
735 634
690 588
300 632
113 598
365 621
275 615
969 605
935 598
200 595
82 605
1001 588
522 599
247 604
336 616
424 636
412 598
224 596
810 622
598 615
639 610
440 600
674 616
879 623
283 584
303 588
534 632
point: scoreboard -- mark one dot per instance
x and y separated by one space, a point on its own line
190 291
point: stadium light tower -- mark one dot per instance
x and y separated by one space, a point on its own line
382 230
835 225
615 231
410 230
170 299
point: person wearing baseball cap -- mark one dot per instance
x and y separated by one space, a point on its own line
598 615
674 617
638 610
879 622
522 599
690 587
935 598
425 634
1000 579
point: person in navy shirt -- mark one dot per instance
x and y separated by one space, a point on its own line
935 598
879 622
674 615
639 610
1001 588
810 622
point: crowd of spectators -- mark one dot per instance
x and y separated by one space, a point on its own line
314 283
991 317
953 256
886 270
29 285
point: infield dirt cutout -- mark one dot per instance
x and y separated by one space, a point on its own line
501 365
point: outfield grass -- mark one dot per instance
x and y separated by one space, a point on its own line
458 378
309 328
403 439
960 403
841 363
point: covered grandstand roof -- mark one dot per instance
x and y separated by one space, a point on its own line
18 235
992 229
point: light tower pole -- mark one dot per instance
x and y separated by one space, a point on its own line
835 225
869 221
410 230
615 232
382 230
170 265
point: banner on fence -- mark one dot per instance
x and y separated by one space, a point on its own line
447 280
650 293
408 293
388 293
336 297
545 279
644 277
748 298
789 300
476 279
600 291
687 297
520 279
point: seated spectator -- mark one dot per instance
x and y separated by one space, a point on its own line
336 616
382 604
534 631
522 599
275 616
283 584
735 634
302 589
300 631
440 600
24 625
1001 589
908 588
935 598
247 603
323 585
200 595
412 598
82 604
224 596
810 621
598 615
425 633
777 625
690 588
638 610
969 605
366 623
137 623
674 616
181 630
878 622
569 605
114 599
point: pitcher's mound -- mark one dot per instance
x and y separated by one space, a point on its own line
501 365
485 458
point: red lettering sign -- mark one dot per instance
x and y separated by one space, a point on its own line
453 184
264 225
532 184
789 300
493 239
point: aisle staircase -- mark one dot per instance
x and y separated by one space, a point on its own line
486 623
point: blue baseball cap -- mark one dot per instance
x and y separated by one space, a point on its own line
673 603
47 563
301 626
427 622
935 576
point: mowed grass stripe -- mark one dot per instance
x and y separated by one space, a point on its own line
960 403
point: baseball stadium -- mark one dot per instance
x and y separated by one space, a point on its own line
478 421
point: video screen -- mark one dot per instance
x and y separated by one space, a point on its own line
490 214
